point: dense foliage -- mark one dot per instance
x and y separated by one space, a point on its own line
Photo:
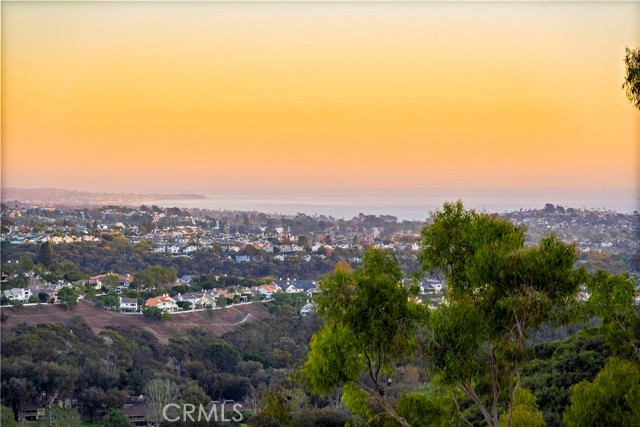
69 360
632 78
508 344
370 326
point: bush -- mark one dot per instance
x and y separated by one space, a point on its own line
17 304
185 305
610 399
152 313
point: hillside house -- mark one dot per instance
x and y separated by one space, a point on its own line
265 290
129 304
197 299
50 290
124 281
135 410
163 302
292 289
295 285
17 294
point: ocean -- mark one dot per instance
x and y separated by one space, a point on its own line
406 204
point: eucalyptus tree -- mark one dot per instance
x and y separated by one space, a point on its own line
612 301
497 291
370 326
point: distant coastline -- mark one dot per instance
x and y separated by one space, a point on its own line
51 197
405 204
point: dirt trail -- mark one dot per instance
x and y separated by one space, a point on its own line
222 321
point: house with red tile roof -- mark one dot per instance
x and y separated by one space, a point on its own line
163 302
266 290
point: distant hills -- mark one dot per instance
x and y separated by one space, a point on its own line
57 197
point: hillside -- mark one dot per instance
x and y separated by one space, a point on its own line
224 320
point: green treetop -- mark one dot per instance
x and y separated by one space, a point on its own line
498 291
370 325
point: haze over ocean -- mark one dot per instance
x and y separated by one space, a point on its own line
406 204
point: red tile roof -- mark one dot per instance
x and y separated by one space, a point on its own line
152 302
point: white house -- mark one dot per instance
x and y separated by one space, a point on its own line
18 294
292 289
128 304
174 249
266 290
196 299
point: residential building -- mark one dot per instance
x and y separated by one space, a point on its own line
31 412
128 304
163 302
18 294
266 290
135 409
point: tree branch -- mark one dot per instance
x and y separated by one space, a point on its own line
453 396
485 413
494 383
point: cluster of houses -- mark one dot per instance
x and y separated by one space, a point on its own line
35 288
25 295
98 282
191 300
30 238
197 299
210 298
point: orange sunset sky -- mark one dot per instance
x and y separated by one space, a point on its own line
171 96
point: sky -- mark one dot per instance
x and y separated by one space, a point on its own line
190 96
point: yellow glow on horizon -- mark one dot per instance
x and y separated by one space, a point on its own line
374 95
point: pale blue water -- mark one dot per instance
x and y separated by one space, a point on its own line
406 203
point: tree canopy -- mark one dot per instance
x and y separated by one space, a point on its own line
45 255
68 297
612 399
632 79
60 417
498 291
370 324
116 418
612 301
